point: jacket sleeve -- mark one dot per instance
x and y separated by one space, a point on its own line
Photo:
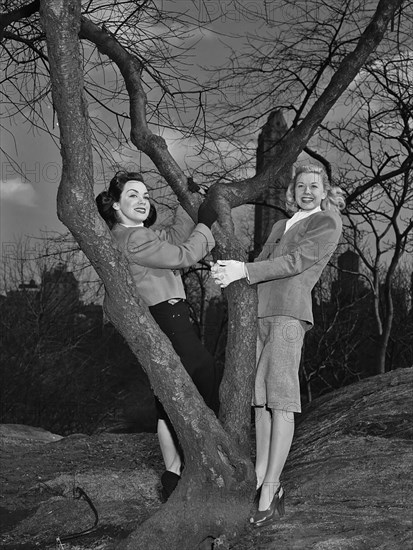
319 240
144 247
180 228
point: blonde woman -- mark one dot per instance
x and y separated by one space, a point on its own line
285 272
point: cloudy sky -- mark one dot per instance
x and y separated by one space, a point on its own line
28 198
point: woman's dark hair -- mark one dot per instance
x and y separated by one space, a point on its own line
105 199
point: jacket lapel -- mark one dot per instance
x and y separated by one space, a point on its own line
273 240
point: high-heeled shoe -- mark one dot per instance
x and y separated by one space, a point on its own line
169 482
266 517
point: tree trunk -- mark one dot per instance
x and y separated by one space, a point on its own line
216 468
194 516
388 311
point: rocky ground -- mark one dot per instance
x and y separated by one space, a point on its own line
348 480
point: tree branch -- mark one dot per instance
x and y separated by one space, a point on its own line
16 15
27 42
288 150
153 145
381 178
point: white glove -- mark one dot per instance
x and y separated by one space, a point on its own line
226 272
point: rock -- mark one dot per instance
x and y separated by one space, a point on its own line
347 480
19 435
40 497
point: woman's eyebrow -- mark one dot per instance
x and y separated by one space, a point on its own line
146 193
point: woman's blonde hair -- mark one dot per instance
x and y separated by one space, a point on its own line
335 195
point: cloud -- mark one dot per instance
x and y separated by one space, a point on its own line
16 192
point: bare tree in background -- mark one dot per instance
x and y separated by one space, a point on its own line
375 144
218 477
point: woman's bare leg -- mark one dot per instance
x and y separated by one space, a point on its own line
262 442
282 432
170 453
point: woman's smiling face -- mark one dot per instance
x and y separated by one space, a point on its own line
309 191
133 206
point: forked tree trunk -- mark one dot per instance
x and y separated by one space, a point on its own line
214 494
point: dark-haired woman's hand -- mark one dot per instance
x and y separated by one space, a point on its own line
207 214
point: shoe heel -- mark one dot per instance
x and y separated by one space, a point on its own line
280 506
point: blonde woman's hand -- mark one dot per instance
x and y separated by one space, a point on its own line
225 272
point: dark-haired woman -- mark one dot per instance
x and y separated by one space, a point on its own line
154 257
